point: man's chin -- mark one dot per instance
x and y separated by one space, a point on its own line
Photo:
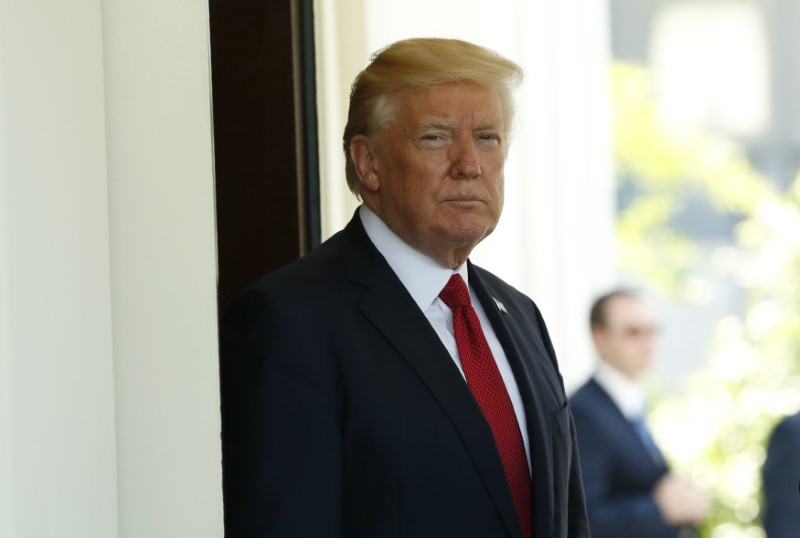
469 233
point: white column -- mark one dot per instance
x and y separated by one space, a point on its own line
560 215
58 458
109 407
6 459
341 52
163 268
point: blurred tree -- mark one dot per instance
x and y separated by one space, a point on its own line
666 168
717 430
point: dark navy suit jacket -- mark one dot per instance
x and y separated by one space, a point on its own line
782 481
345 416
619 472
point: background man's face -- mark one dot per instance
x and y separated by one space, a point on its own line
627 341
439 163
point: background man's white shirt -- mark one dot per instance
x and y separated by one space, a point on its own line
624 392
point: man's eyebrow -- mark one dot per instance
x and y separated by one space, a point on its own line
489 126
444 125
435 124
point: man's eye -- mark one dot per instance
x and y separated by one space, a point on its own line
433 141
488 137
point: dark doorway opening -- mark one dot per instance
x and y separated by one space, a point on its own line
265 137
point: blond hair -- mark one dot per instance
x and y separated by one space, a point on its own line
421 62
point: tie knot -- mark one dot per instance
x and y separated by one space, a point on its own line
455 294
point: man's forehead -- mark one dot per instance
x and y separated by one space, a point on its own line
486 96
625 308
447 105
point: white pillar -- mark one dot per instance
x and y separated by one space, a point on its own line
58 429
341 52
163 268
109 407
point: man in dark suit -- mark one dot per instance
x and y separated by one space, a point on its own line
630 492
782 480
384 386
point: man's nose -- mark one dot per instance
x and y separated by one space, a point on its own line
464 162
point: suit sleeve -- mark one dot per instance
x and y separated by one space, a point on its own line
781 478
612 516
577 523
281 441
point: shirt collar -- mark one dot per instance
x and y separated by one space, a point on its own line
423 277
625 393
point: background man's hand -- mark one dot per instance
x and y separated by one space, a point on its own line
680 501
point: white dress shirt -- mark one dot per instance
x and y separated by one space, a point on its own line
624 392
424 279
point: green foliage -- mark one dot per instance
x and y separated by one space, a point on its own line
666 167
717 430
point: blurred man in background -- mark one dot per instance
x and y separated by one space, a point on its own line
630 491
782 480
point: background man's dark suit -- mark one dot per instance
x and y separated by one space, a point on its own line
343 410
619 472
782 481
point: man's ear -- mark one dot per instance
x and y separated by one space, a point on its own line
362 153
597 336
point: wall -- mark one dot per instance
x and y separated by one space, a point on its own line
109 419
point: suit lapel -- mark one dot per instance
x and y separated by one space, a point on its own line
626 430
394 313
528 374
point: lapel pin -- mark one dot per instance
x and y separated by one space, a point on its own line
500 306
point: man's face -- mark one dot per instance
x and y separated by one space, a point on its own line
437 168
627 341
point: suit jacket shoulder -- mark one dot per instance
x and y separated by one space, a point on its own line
339 399
618 471
781 478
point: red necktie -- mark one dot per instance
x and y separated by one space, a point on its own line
487 386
